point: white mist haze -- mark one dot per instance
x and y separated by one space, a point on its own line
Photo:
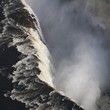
81 78
79 45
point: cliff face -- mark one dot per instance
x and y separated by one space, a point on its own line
24 62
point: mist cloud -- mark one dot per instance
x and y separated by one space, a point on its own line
79 44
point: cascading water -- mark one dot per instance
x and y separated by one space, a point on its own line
25 62
79 43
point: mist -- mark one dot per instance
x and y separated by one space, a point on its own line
79 44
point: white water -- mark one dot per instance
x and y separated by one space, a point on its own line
42 53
